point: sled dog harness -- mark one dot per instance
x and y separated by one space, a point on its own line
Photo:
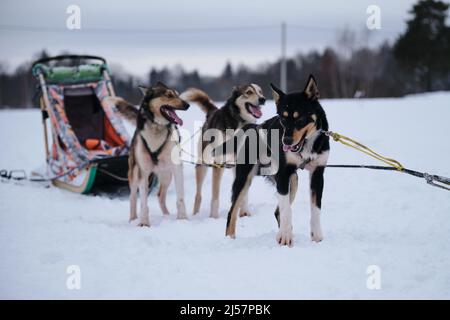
155 154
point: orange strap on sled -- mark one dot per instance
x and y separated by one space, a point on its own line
93 144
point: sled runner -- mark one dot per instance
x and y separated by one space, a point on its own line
87 144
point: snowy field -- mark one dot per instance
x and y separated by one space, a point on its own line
388 219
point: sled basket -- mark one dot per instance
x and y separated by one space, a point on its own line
86 142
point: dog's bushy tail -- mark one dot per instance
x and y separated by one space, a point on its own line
200 97
128 110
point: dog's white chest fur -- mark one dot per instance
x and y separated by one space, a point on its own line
306 158
156 136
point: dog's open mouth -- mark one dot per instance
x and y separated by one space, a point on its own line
294 147
253 110
169 113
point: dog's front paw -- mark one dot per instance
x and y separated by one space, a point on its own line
245 213
214 210
144 224
132 218
181 215
231 235
181 209
316 235
214 214
285 238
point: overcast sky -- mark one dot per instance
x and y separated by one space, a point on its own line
29 26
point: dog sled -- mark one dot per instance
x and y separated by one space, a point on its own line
86 142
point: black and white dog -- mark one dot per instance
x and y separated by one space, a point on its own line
301 143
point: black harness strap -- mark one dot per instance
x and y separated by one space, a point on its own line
155 154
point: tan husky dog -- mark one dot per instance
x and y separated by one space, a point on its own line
154 148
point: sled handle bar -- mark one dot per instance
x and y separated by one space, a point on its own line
68 57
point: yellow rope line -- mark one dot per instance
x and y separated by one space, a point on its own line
360 147
336 137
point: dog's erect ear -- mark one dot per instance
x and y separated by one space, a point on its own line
143 89
236 92
277 93
160 84
311 90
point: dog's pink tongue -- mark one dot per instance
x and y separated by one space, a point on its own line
257 111
286 148
175 117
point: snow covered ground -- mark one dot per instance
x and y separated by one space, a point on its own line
388 219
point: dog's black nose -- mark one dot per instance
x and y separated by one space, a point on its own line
186 105
288 141
262 100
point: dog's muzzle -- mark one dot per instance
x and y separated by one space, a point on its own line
289 146
169 113
254 110
294 147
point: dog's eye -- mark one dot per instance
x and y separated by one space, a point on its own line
170 95
249 92
303 120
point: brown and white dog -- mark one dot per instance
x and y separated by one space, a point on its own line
154 148
242 107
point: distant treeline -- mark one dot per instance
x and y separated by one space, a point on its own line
418 61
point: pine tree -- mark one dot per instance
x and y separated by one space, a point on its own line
424 49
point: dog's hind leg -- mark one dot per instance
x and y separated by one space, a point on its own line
143 195
200 173
244 176
179 188
293 186
316 183
164 180
133 179
217 177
